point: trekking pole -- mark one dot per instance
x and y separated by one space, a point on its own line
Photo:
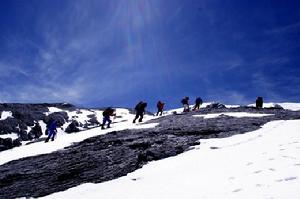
114 117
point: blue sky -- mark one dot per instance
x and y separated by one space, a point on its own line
118 52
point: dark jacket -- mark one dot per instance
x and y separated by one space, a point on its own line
199 100
52 126
160 105
259 102
140 107
108 112
185 101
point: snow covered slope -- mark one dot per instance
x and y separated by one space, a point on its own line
124 121
264 163
18 131
285 105
260 164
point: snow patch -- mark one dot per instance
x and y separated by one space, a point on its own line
285 105
232 114
54 109
11 135
5 115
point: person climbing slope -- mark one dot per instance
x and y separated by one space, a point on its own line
185 103
259 102
106 116
140 110
52 131
160 107
198 103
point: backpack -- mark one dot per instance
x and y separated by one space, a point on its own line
199 100
108 112
160 105
183 101
138 106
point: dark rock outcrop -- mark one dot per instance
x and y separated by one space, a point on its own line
36 131
9 125
24 115
215 105
59 117
9 143
6 143
23 135
17 142
93 121
73 127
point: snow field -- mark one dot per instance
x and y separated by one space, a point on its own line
259 164
232 114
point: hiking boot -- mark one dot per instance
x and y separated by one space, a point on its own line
47 140
52 139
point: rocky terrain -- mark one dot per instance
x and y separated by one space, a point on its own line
22 118
115 154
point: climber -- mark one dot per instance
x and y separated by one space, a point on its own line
52 131
140 110
106 116
160 107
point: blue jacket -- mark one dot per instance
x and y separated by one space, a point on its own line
52 126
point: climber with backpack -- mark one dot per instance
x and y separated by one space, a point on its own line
160 107
106 116
51 130
140 110
185 103
259 102
198 103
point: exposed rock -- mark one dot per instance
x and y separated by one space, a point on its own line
73 127
59 117
216 105
91 116
24 115
93 121
23 135
2 147
8 143
9 125
17 142
277 106
36 131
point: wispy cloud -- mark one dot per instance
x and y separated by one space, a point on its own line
97 51
228 97
285 29
8 69
83 56
266 87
